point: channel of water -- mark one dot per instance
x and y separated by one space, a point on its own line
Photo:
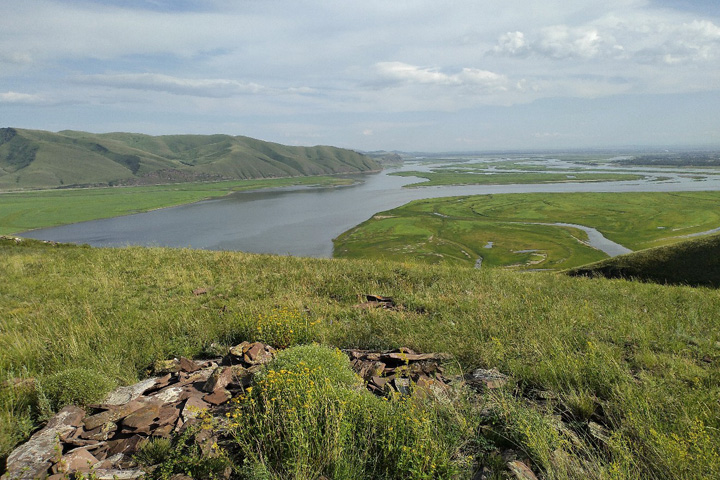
304 221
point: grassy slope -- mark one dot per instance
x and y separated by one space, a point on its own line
458 228
640 358
33 158
692 262
22 211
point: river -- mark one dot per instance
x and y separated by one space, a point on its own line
303 221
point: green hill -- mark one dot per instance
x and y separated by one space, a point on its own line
35 159
693 262
608 379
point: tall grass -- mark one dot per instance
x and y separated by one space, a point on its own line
640 360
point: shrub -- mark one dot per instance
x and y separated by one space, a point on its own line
283 327
78 386
306 417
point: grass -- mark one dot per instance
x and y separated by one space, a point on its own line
22 211
485 178
638 360
456 230
692 262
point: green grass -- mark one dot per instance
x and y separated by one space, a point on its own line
691 262
641 360
466 178
456 230
22 211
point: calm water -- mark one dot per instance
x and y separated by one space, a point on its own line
302 221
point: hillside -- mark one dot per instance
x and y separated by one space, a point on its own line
596 378
40 159
692 262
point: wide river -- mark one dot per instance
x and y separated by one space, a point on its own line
304 221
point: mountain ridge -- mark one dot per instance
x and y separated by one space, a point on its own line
43 159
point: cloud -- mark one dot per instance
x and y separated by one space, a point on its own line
21 98
640 39
215 88
403 73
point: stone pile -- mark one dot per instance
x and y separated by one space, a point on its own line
401 370
105 438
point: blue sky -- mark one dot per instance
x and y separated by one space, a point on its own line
415 75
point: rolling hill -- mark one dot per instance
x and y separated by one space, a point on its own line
693 262
41 159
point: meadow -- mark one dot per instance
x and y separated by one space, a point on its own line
500 229
479 177
22 211
609 379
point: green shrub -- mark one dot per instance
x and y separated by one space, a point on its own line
283 327
78 386
305 417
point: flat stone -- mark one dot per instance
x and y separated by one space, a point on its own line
168 395
33 459
402 385
187 365
143 417
101 433
117 474
193 406
77 461
123 395
257 354
239 350
218 397
126 446
112 415
110 462
521 471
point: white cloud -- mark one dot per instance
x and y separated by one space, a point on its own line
21 98
410 74
180 86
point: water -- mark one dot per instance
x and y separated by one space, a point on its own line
302 221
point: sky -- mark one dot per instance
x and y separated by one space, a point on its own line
420 75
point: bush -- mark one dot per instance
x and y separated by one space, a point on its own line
283 327
306 417
78 386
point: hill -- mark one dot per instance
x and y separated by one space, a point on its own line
40 159
693 262
597 379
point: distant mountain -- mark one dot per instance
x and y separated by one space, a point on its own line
693 262
35 158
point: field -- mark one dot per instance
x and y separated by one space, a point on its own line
458 177
610 379
22 211
501 230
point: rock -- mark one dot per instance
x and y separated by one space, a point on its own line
402 385
76 461
123 395
126 446
521 471
117 474
112 415
218 397
33 459
168 395
193 406
258 354
187 365
239 350
200 291
166 366
490 379
220 378
142 418
101 433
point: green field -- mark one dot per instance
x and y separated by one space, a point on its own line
610 379
22 211
467 177
457 230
